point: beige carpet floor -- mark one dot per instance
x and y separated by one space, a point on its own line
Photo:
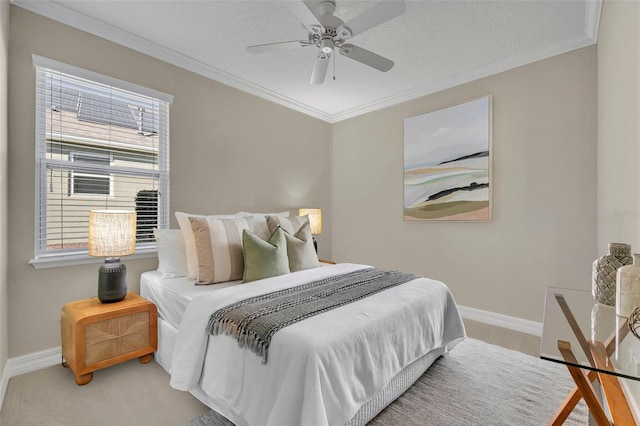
139 394
126 394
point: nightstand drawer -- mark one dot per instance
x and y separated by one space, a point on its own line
116 336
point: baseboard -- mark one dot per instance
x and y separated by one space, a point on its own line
27 363
505 321
4 382
33 361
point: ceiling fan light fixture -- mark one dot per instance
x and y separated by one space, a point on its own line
326 45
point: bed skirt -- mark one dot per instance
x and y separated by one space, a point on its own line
397 386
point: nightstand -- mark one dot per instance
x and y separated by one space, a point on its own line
96 335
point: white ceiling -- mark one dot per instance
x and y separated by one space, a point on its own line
435 44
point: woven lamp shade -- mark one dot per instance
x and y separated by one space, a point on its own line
315 219
112 233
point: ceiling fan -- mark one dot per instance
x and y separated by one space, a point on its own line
328 33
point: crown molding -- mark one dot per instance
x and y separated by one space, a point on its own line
467 77
60 13
53 10
593 9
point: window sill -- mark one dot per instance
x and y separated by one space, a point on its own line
83 259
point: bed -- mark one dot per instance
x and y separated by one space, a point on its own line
340 365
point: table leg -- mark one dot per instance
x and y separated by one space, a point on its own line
584 386
617 401
569 403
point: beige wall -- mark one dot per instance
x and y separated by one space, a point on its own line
619 131
230 151
619 124
543 231
4 50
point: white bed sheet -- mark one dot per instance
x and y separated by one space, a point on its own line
172 295
321 370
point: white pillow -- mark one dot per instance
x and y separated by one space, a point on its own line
190 241
172 256
260 227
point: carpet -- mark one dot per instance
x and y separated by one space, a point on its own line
476 384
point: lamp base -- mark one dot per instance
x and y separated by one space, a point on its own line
315 243
112 281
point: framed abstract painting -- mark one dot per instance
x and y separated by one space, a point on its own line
447 163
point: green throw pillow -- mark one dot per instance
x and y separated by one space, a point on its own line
264 259
300 250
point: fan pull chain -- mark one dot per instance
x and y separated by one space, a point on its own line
334 67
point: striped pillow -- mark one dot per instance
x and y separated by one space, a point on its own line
290 224
189 241
219 247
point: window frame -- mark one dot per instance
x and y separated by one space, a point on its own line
64 257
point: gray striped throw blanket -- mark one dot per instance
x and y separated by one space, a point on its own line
254 321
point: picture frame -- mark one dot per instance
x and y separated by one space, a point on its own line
447 163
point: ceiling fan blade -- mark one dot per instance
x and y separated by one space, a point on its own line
366 57
300 10
320 69
285 45
381 13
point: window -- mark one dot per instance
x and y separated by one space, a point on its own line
101 143
90 184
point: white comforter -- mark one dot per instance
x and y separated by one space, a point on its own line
320 370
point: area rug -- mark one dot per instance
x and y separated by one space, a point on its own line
476 384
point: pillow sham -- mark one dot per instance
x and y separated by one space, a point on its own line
300 250
260 227
172 256
189 241
264 259
218 245
290 224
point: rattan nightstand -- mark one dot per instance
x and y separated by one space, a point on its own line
96 335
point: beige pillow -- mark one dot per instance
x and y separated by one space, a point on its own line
218 245
300 250
290 224
264 259
260 227
189 241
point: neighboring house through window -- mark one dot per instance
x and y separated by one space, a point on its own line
101 143
87 183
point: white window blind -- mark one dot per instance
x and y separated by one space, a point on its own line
98 146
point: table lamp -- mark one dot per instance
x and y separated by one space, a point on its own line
315 222
112 233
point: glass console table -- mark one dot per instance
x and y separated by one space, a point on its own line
595 344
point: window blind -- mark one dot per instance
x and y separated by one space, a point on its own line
98 146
